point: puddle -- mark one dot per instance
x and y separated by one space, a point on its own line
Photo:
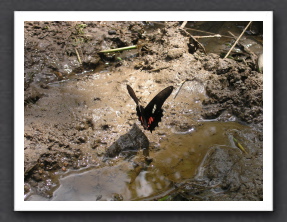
177 159
74 110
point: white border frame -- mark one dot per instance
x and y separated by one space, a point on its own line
265 205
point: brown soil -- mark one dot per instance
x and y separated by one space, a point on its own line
77 104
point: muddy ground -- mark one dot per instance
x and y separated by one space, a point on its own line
77 105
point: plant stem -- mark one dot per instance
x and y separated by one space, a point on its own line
119 49
237 40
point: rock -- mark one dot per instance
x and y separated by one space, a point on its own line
175 53
112 32
260 63
226 174
128 143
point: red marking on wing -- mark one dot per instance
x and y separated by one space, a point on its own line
150 120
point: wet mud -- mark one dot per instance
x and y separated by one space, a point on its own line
81 141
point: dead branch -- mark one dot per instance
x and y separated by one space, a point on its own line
237 40
183 24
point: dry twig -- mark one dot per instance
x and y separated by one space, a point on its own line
181 86
183 24
78 56
160 68
253 56
237 40
208 36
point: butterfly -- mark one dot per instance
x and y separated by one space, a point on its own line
150 115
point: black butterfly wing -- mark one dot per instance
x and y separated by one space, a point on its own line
151 115
153 111
140 109
132 94
159 99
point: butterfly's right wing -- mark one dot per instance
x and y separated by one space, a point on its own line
158 100
153 110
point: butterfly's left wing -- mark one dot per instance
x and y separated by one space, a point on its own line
139 109
153 111
132 94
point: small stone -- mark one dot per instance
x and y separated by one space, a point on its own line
112 32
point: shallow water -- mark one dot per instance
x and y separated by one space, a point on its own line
88 111
177 159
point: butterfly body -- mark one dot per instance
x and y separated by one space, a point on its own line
151 115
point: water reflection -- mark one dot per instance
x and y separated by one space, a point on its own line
179 158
